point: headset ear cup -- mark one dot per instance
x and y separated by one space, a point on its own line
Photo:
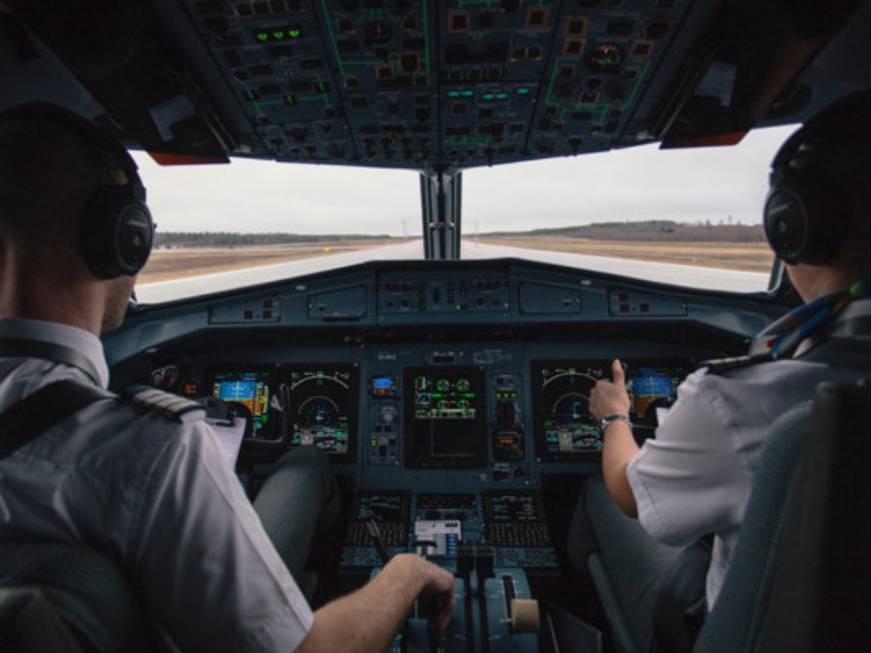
117 232
804 217
786 224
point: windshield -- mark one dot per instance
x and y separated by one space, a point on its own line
689 217
221 227
686 217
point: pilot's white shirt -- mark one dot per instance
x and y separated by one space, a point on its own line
156 496
694 478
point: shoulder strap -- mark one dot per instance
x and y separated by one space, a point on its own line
169 405
37 413
23 348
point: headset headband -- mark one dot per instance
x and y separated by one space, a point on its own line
83 129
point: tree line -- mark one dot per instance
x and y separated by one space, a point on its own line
651 230
232 239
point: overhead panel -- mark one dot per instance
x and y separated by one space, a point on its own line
434 85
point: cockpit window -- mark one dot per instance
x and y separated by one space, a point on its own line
686 217
230 226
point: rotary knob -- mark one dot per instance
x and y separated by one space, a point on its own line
388 414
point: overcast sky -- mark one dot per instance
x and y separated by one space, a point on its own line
635 183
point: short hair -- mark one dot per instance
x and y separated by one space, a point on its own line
841 134
48 166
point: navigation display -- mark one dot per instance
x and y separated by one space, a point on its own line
445 417
323 408
252 391
564 427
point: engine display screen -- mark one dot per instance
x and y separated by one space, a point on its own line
323 408
445 417
564 427
253 391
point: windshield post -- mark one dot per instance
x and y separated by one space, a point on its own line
441 195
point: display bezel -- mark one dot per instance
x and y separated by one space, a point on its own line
679 366
413 428
350 456
276 426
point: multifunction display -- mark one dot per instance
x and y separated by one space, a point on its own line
445 417
252 391
323 408
564 427
440 396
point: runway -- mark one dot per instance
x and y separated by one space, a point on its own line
684 275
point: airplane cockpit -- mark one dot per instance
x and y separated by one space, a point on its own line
451 394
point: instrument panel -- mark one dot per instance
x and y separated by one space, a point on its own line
504 414
564 427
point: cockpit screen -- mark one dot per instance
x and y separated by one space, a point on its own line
382 386
387 507
652 388
564 427
323 401
252 391
445 417
512 507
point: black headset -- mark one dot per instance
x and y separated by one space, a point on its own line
117 231
809 201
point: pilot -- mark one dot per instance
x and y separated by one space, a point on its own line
149 489
693 480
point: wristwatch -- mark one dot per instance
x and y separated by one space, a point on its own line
609 419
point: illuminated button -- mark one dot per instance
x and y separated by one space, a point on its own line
373 442
523 90
294 32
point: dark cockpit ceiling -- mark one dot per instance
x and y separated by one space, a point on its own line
422 84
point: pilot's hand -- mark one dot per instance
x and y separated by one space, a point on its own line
610 397
437 584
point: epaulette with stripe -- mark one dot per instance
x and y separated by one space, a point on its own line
723 365
167 404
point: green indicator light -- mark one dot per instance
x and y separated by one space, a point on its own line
290 100
278 36
373 442
469 395
262 36
294 32
468 93
502 96
323 87
488 97
453 94
523 90
459 307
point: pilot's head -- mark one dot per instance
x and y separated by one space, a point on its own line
818 212
74 226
